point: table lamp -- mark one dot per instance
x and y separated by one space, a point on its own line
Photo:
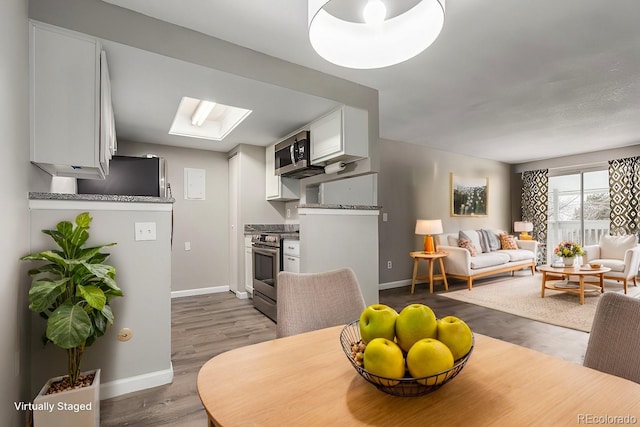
428 227
523 227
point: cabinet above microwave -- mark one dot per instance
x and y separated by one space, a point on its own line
292 157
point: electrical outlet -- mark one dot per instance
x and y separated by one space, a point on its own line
389 265
187 246
385 217
145 230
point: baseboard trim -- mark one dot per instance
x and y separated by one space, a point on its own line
391 285
242 295
136 383
199 291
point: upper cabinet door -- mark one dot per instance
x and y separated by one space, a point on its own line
66 109
342 135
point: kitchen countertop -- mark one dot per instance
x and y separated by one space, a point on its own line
286 231
349 207
99 198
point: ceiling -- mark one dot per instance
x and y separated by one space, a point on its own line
509 80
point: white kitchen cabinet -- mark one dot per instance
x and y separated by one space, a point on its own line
277 187
342 135
291 253
248 265
71 118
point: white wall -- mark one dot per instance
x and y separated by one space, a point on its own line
14 175
414 184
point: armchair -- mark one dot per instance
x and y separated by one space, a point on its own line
620 253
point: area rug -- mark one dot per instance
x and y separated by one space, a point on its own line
520 295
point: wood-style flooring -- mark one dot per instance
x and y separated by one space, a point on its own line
206 325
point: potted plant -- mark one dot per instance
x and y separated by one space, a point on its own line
72 291
568 251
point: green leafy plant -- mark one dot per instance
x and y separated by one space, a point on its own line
73 290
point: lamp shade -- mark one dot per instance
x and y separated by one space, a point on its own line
522 226
427 227
374 42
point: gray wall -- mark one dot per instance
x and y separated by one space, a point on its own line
14 171
142 272
203 223
414 183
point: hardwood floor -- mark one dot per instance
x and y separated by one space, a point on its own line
206 325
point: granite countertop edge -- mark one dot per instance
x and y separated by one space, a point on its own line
347 207
99 198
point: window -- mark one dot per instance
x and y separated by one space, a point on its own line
578 208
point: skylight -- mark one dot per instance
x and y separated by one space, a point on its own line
204 119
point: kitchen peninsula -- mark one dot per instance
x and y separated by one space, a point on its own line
142 228
337 236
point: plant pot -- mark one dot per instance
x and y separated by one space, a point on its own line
79 407
568 261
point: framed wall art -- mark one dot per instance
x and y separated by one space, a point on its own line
469 195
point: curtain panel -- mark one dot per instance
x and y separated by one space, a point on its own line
624 192
535 204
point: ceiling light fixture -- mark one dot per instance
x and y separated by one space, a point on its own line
202 112
377 42
374 12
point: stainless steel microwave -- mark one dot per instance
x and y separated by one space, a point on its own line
293 157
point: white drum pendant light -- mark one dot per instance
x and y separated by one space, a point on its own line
374 42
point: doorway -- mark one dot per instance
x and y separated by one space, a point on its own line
579 208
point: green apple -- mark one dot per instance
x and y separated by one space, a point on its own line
455 334
378 321
384 358
415 322
428 357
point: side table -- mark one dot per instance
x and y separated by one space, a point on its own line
430 258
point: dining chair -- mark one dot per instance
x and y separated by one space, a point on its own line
310 301
614 342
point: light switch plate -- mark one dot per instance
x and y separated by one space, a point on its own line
145 231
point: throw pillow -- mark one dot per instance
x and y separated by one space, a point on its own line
468 245
508 242
614 247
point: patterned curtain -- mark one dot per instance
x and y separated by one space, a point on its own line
535 201
624 191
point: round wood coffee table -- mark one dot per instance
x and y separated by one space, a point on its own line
557 279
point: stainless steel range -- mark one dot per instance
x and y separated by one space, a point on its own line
266 253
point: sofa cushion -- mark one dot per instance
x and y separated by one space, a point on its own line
489 260
465 243
517 254
508 242
614 247
616 265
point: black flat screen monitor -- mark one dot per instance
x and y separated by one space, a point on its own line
128 176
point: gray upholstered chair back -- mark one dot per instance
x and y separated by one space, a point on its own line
310 301
614 342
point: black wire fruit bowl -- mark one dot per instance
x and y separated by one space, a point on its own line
406 386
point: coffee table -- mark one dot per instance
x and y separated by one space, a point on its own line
557 279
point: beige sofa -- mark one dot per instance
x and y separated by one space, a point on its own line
488 260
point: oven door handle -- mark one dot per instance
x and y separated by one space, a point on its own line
264 251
